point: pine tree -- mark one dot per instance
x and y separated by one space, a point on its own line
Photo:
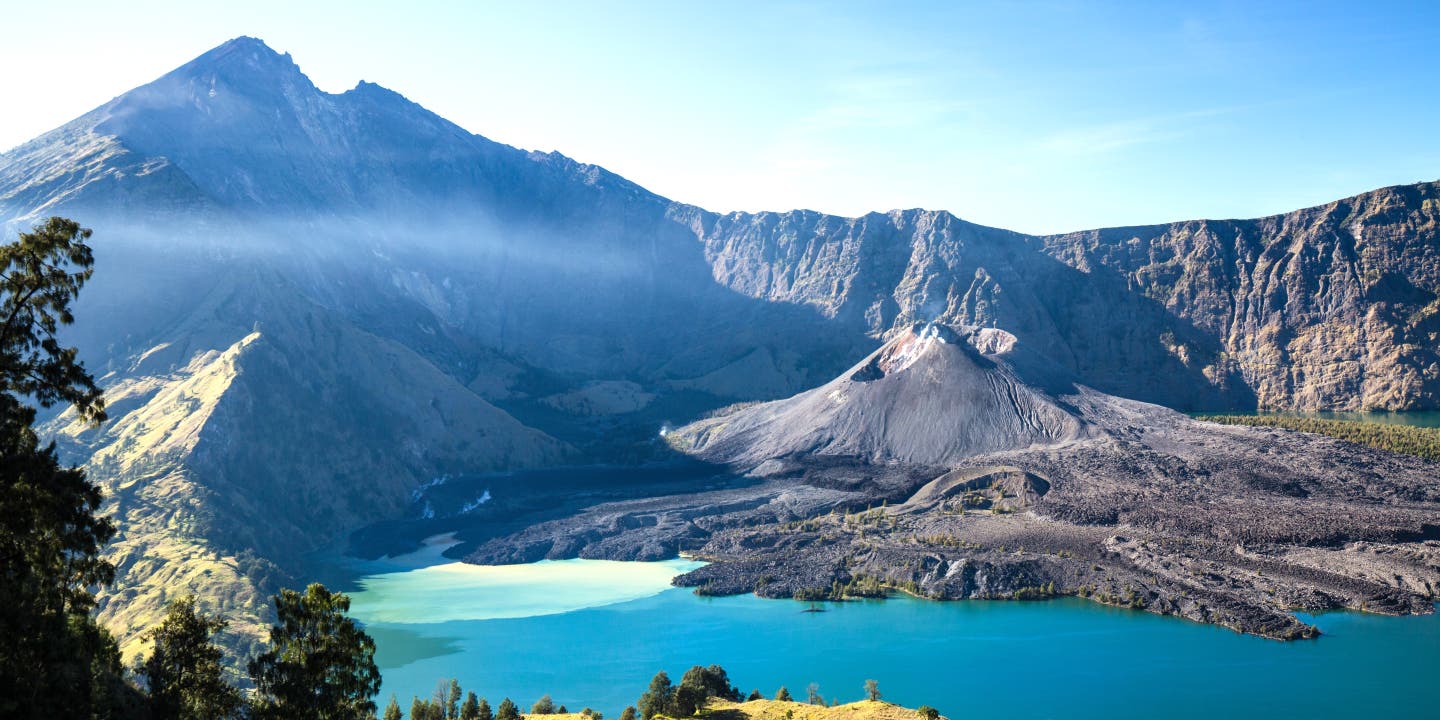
783 695
55 662
484 712
470 710
755 695
628 713
392 709
320 665
659 699
183 670
507 711
543 706
452 701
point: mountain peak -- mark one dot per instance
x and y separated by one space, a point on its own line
243 60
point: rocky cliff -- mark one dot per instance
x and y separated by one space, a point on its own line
1324 308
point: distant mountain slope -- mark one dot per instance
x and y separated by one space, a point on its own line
1332 307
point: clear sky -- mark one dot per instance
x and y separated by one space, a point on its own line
1041 117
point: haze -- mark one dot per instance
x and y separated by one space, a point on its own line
1042 117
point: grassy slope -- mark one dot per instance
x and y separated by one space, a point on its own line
1418 441
777 710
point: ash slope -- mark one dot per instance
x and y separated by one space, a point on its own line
1009 481
928 397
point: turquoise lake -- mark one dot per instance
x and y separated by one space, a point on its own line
1062 658
593 633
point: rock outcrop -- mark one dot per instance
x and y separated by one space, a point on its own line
1326 308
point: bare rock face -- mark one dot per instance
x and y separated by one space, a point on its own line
1333 307
947 473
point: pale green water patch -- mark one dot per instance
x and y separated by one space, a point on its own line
461 591
401 645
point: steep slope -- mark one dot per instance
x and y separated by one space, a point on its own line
983 472
225 462
1331 307
928 396
364 194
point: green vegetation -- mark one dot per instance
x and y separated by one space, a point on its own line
507 710
658 698
184 672
55 661
320 663
1404 439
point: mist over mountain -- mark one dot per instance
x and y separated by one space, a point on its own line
321 301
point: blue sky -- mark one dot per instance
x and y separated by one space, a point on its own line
1040 117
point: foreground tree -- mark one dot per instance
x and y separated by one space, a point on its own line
452 700
183 670
712 680
872 690
470 710
320 665
507 710
54 660
658 699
